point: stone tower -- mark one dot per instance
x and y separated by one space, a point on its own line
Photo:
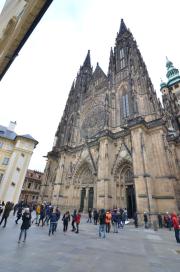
111 147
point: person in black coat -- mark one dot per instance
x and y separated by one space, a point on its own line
145 220
19 214
26 218
7 210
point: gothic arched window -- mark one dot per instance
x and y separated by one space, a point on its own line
128 176
125 105
122 58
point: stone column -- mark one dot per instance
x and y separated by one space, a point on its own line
103 174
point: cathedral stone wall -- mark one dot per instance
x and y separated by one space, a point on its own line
112 145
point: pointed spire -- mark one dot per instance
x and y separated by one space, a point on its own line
87 62
111 62
122 28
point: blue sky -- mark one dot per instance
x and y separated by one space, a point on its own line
37 84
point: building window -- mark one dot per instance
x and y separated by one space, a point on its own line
1 144
128 176
1 177
170 88
22 154
18 169
36 185
5 161
33 197
39 187
36 197
125 105
13 184
29 185
122 59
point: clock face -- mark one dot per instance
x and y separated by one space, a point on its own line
93 122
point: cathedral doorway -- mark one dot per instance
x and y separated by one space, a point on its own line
85 179
125 190
83 195
131 201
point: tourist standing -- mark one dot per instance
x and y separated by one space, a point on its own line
1 208
77 220
26 218
102 223
176 226
145 220
135 217
58 215
108 221
160 221
115 220
89 216
19 214
42 215
65 219
53 222
73 215
7 210
95 216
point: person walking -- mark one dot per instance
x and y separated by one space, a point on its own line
145 220
65 219
58 215
95 216
1 208
115 220
77 221
102 223
89 216
19 214
135 217
169 222
38 210
7 210
108 221
160 221
176 227
26 218
73 215
53 222
42 215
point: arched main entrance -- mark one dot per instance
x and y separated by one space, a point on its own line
85 179
130 193
125 189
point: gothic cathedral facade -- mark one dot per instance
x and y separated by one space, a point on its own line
116 145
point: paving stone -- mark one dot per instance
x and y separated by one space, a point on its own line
129 250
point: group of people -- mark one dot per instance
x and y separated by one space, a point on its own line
108 218
46 214
167 221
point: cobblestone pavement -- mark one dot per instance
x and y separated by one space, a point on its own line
129 250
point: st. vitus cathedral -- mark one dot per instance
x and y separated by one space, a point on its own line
116 145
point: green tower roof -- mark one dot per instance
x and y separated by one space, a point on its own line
172 73
162 85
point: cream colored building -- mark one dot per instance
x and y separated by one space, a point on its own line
15 154
17 21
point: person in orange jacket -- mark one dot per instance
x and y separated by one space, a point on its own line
108 221
176 227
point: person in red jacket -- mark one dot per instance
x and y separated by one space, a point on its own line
77 221
175 223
